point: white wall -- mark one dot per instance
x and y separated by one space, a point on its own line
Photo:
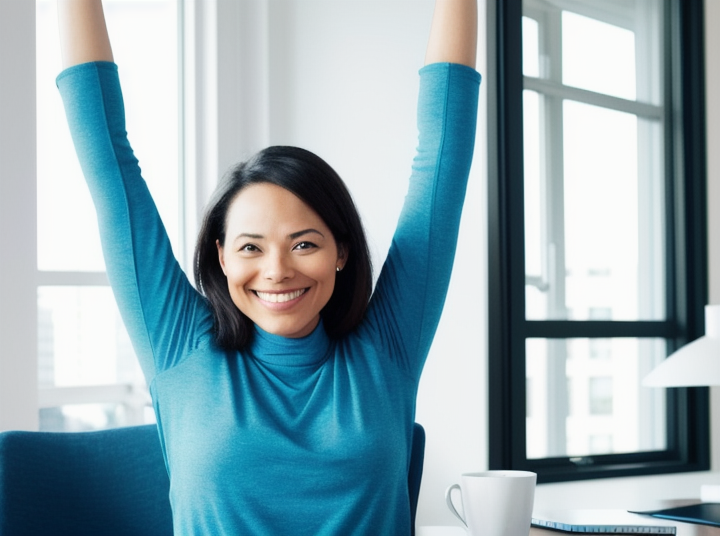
18 363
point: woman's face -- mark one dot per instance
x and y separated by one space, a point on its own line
280 260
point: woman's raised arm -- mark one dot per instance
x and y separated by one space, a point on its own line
83 33
453 35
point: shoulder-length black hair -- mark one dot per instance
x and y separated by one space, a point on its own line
312 180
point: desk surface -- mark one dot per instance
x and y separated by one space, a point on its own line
683 529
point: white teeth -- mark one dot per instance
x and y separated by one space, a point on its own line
279 298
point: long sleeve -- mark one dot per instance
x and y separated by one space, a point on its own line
412 286
163 313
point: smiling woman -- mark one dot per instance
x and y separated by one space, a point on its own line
283 389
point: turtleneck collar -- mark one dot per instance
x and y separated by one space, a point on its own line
285 351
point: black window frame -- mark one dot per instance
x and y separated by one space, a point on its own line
686 262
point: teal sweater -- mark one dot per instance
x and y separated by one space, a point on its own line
287 436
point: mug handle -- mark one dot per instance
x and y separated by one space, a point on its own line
451 505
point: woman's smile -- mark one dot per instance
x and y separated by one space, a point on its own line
280 298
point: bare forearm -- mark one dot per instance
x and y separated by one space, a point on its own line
453 35
83 34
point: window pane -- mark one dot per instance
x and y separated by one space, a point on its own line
594 229
534 239
67 230
144 38
610 217
82 340
86 417
531 47
598 56
586 397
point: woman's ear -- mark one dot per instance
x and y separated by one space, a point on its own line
221 256
342 256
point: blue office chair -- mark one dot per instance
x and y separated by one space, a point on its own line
111 482
417 459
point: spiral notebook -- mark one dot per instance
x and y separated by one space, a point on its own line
600 522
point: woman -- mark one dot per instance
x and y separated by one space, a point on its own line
284 398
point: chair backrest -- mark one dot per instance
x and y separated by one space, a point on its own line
417 459
111 482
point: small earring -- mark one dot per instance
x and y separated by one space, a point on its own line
337 268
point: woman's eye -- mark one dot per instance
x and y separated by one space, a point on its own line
304 245
250 248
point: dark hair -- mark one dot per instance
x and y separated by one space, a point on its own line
312 180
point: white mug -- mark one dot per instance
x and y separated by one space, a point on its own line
495 503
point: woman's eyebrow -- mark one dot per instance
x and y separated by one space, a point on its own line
292 236
249 235
298 234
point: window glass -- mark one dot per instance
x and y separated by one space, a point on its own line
594 403
594 183
87 417
67 229
87 372
535 252
144 39
82 340
606 219
531 47
598 56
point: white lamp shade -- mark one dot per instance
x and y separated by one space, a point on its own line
695 364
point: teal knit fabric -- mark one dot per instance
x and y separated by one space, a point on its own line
288 436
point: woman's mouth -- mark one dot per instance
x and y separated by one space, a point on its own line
280 297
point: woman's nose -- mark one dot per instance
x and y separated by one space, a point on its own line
277 267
